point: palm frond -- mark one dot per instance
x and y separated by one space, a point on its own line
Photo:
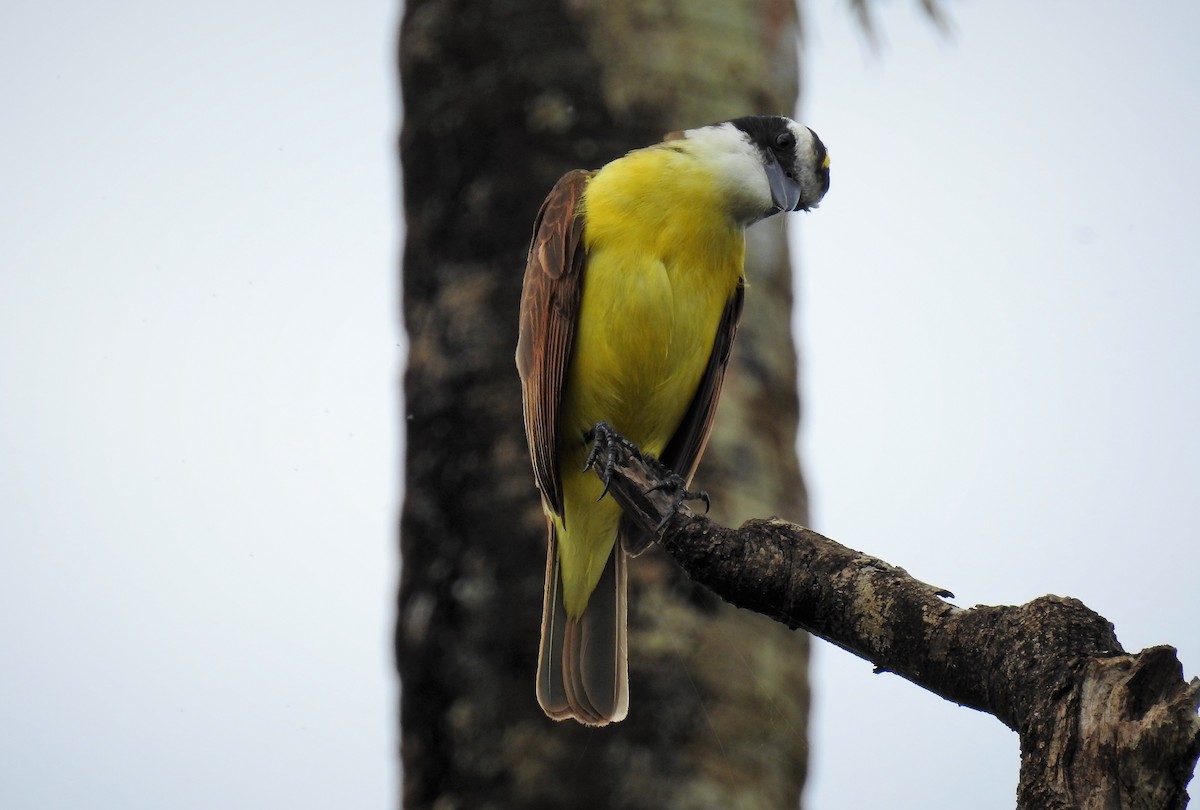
861 9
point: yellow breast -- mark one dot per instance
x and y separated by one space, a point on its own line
663 261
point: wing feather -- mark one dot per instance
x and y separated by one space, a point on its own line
549 307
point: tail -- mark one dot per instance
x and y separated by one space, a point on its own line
583 669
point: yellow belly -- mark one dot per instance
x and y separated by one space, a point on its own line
643 340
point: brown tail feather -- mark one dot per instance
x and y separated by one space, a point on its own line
583 663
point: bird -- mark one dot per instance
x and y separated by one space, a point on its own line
632 293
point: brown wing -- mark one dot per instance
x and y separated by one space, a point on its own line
683 451
549 307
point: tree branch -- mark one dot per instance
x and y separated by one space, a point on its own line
1099 727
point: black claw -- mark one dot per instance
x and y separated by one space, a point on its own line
673 481
605 442
602 434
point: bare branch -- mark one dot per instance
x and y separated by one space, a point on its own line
1099 727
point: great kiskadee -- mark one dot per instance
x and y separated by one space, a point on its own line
632 294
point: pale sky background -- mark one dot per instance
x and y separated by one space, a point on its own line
199 354
1001 334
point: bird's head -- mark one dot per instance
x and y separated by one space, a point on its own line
765 164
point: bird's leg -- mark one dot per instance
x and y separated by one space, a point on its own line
606 442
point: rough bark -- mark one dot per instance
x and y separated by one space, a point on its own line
1100 728
501 97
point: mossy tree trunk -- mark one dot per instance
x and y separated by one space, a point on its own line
500 98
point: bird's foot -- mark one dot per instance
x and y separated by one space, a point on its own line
604 451
606 441
674 482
